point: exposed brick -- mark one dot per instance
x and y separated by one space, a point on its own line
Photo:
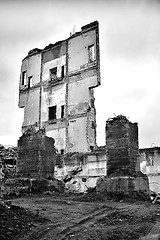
121 146
36 155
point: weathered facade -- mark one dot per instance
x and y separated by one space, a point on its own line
150 165
56 90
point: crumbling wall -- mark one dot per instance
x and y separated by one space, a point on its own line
29 92
122 146
123 170
150 165
81 111
80 171
63 76
78 50
36 155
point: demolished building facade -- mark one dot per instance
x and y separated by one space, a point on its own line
56 90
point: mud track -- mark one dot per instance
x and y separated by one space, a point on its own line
69 219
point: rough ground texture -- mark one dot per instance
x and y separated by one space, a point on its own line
15 220
77 217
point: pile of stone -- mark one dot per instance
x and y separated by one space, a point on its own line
15 220
8 158
8 154
21 186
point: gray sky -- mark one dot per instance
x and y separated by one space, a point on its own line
130 58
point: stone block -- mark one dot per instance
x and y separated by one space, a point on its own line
125 185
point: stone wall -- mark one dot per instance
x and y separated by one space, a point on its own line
80 171
123 168
36 155
121 146
150 165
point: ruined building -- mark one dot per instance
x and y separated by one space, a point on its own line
56 90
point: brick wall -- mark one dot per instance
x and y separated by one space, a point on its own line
36 155
121 146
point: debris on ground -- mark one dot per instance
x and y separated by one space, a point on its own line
8 158
14 220
155 197
12 187
96 219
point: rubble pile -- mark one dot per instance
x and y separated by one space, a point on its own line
8 158
22 186
15 220
8 154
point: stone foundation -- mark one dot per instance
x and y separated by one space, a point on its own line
20 186
125 185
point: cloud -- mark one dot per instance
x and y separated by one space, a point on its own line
129 47
134 31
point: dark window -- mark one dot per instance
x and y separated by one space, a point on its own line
52 112
24 78
62 111
91 148
53 73
93 125
91 53
62 71
62 151
30 83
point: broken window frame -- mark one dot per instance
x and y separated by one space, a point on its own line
52 113
53 73
91 53
30 82
24 78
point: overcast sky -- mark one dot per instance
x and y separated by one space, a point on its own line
129 53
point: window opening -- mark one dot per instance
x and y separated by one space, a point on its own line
91 53
62 71
30 82
24 78
62 151
52 112
93 125
53 73
91 148
62 111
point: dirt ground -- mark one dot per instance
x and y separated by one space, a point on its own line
72 217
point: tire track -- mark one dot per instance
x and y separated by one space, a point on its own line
59 231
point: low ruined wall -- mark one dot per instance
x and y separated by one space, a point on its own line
20 186
124 184
80 171
36 155
150 165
